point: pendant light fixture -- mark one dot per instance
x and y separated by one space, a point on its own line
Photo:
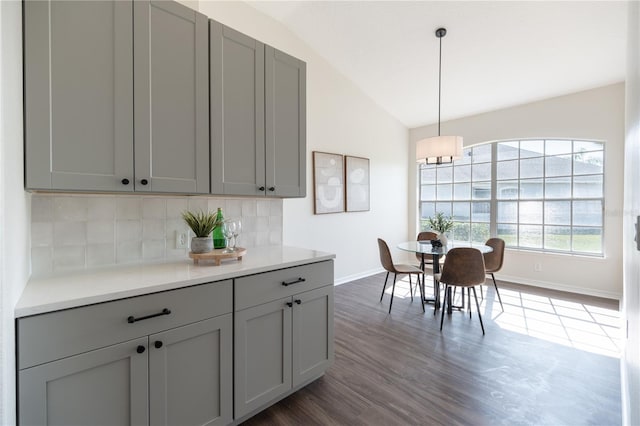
439 149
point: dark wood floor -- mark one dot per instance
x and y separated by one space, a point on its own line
531 367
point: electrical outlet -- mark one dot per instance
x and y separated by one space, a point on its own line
181 240
537 267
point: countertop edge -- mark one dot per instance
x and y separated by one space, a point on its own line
25 307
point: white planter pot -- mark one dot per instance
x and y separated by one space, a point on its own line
201 244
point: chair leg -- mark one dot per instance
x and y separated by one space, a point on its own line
477 306
385 286
419 285
497 292
469 297
410 289
444 303
393 291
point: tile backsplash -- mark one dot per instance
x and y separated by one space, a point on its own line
71 232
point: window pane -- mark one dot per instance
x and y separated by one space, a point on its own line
588 213
461 231
481 190
557 237
508 150
466 157
531 188
481 171
588 240
557 213
428 192
530 212
480 212
531 168
462 173
557 187
482 153
530 236
582 146
445 192
508 212
557 147
479 232
531 149
588 163
444 208
461 191
445 174
507 170
427 210
558 166
428 174
509 233
461 212
507 190
587 186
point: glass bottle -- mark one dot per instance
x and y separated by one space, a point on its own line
217 235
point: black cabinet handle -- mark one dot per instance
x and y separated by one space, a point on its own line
158 344
125 181
261 188
298 301
296 281
140 349
133 319
289 304
144 181
272 188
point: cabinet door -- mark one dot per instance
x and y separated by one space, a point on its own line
286 124
237 112
103 387
262 355
171 98
78 87
190 374
312 334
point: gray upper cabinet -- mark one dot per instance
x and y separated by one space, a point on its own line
78 94
171 83
258 117
90 68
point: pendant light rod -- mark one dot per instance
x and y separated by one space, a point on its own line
440 32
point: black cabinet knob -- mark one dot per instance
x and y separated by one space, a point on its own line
140 349
272 188
298 301
289 304
158 344
261 188
125 181
144 181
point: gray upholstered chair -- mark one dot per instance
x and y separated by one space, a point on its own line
493 261
387 263
463 267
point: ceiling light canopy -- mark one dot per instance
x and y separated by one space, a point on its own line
439 149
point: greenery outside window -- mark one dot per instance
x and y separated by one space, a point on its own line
542 194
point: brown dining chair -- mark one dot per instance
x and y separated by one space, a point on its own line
426 260
463 267
493 261
387 263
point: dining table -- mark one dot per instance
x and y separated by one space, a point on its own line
425 248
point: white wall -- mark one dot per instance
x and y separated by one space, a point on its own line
342 120
14 202
631 301
593 114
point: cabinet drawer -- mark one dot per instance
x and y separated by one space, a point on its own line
55 335
260 288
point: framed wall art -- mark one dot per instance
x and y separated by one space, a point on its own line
357 184
328 183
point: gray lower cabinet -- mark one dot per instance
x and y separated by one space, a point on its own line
258 117
83 89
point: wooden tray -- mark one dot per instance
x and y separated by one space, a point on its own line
217 255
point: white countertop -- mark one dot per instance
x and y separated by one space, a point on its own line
63 291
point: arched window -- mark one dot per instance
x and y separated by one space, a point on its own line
535 194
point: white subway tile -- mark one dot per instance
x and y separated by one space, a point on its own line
101 232
101 254
72 209
175 207
263 207
174 253
275 238
41 260
234 208
249 208
41 208
101 208
128 230
69 234
129 252
276 208
153 229
262 238
214 203
153 249
197 204
154 208
275 223
262 223
41 234
68 258
128 208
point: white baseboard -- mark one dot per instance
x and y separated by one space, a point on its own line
357 276
560 287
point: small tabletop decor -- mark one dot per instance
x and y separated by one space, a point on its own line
201 224
441 224
218 255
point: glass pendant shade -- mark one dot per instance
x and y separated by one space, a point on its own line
439 149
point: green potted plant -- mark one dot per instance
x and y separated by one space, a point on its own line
202 225
441 224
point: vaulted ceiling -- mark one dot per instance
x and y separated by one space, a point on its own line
496 54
